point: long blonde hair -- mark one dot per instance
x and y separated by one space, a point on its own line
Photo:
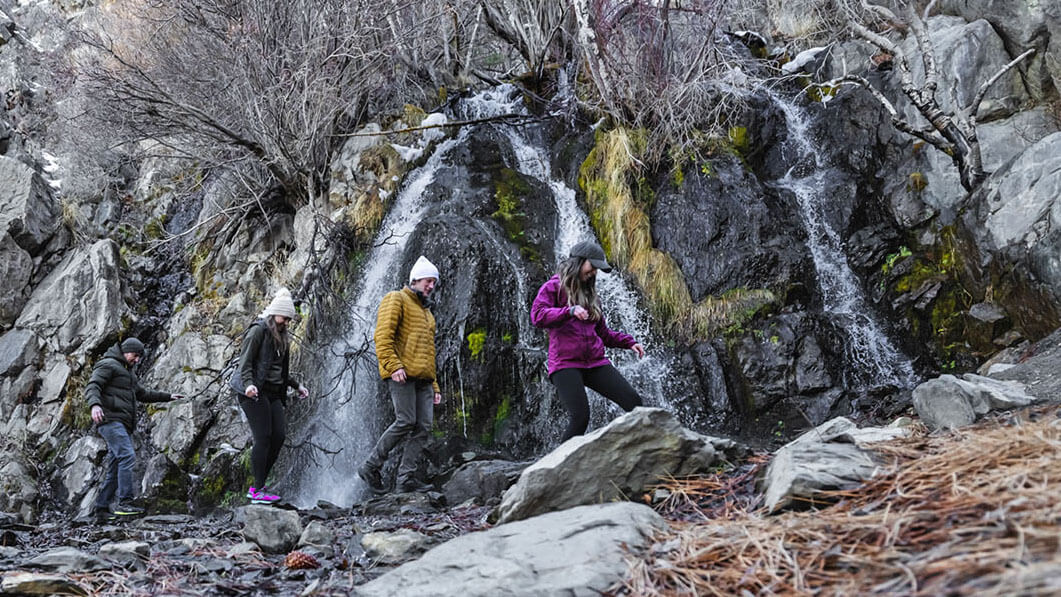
579 292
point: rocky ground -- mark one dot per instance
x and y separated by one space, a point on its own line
211 554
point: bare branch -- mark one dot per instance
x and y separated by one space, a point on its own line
982 91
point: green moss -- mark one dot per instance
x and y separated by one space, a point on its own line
738 137
916 182
821 93
893 258
508 337
476 342
156 227
509 194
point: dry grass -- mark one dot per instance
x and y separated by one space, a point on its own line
972 512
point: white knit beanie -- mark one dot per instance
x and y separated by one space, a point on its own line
281 305
423 269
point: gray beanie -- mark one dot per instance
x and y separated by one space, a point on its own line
133 345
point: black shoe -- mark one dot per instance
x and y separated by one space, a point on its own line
127 508
371 477
411 485
102 516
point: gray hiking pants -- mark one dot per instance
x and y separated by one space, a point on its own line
414 407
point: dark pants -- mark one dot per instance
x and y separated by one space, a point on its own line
414 407
120 461
606 380
268 428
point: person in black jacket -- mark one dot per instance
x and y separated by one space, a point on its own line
112 393
264 376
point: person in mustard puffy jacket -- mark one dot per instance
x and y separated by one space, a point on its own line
567 306
405 349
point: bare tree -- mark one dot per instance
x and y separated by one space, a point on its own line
953 134
267 89
663 66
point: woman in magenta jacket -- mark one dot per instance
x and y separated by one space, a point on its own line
568 307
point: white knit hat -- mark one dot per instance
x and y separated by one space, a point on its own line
281 305
423 269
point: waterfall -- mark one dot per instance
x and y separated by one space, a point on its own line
620 301
868 345
348 413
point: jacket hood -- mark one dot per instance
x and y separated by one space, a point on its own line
115 352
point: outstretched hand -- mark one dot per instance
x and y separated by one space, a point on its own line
303 393
176 396
640 350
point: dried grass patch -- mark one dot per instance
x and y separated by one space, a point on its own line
970 512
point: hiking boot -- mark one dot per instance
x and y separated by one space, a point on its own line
127 508
260 496
101 515
370 475
412 485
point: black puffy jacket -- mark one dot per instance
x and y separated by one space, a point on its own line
258 354
116 390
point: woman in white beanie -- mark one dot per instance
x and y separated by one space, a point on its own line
264 377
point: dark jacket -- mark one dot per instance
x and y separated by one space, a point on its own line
573 343
116 390
257 355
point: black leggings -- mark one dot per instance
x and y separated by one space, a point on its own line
606 380
268 428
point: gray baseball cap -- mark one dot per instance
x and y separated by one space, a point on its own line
591 251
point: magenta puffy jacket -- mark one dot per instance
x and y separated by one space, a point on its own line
572 342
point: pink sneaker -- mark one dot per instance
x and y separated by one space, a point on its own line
259 496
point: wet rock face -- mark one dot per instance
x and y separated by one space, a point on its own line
724 231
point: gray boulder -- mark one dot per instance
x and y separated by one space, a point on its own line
67 559
18 348
613 463
581 551
316 534
481 480
33 583
273 529
830 456
82 463
28 212
126 553
16 268
18 489
949 403
1022 24
79 304
1020 201
394 547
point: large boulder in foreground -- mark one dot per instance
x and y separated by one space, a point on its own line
581 551
833 455
619 460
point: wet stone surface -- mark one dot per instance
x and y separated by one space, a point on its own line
209 555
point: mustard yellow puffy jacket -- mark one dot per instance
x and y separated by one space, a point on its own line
405 336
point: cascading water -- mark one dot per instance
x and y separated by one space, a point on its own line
348 426
620 302
867 344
